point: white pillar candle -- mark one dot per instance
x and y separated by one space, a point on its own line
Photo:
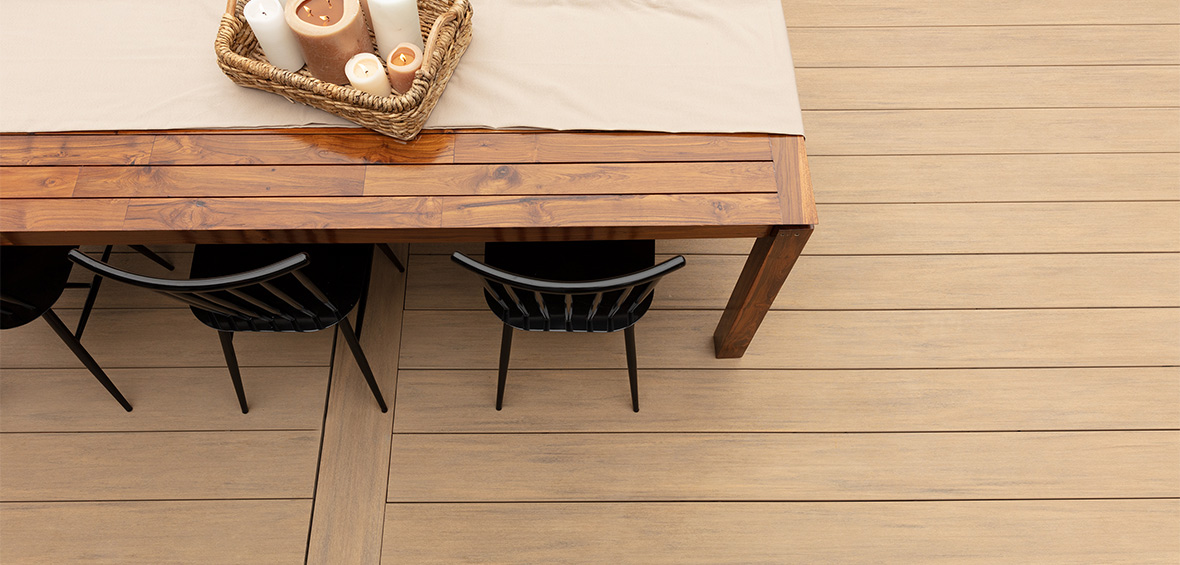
394 22
365 73
402 66
274 36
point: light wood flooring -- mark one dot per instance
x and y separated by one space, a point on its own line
977 359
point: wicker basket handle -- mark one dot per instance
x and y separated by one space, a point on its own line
457 9
231 8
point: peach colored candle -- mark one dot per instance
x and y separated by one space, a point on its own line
402 65
330 32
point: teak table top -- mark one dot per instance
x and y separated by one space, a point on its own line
350 185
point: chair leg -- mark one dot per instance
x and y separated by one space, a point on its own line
84 356
505 353
388 251
91 296
143 250
632 366
231 361
362 362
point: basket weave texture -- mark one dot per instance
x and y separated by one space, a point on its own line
447 31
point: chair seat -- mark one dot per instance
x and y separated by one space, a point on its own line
340 271
33 278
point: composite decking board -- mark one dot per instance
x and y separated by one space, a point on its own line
971 46
1100 280
959 228
995 178
158 338
908 13
988 87
1006 130
680 339
782 467
119 533
1114 531
354 462
42 467
718 400
71 400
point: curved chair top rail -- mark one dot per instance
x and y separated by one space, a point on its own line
247 278
566 287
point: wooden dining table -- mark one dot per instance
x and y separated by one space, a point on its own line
352 185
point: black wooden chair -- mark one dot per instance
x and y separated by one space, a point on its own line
31 281
266 288
581 286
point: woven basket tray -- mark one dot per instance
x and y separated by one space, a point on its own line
401 116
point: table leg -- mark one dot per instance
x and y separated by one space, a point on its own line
766 270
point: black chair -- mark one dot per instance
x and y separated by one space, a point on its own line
266 288
96 283
582 286
31 281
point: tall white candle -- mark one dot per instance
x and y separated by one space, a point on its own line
274 35
394 22
365 73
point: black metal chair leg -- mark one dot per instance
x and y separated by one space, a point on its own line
231 361
362 362
632 366
388 251
505 353
84 356
152 255
91 296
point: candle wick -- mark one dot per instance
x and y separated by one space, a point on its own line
308 10
323 18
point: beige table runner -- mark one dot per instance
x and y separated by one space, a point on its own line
656 65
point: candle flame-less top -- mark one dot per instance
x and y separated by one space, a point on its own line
321 12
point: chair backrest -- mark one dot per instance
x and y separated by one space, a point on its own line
32 278
604 305
277 297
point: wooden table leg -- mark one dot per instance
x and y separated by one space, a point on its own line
766 270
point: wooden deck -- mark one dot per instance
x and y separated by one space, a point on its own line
976 360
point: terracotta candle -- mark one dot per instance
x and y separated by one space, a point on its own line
402 64
394 22
365 73
330 32
274 36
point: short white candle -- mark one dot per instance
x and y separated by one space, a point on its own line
274 35
394 22
365 73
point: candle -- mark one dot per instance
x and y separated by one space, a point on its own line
274 36
330 32
394 22
365 73
403 63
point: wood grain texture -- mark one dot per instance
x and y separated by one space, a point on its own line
118 533
977 12
1071 531
817 340
180 214
37 182
988 87
181 399
992 46
296 148
350 488
607 147
765 271
158 338
1083 227
1042 130
996 178
73 150
205 181
792 174
45 467
782 467
60 215
824 282
683 211
985 400
585 179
